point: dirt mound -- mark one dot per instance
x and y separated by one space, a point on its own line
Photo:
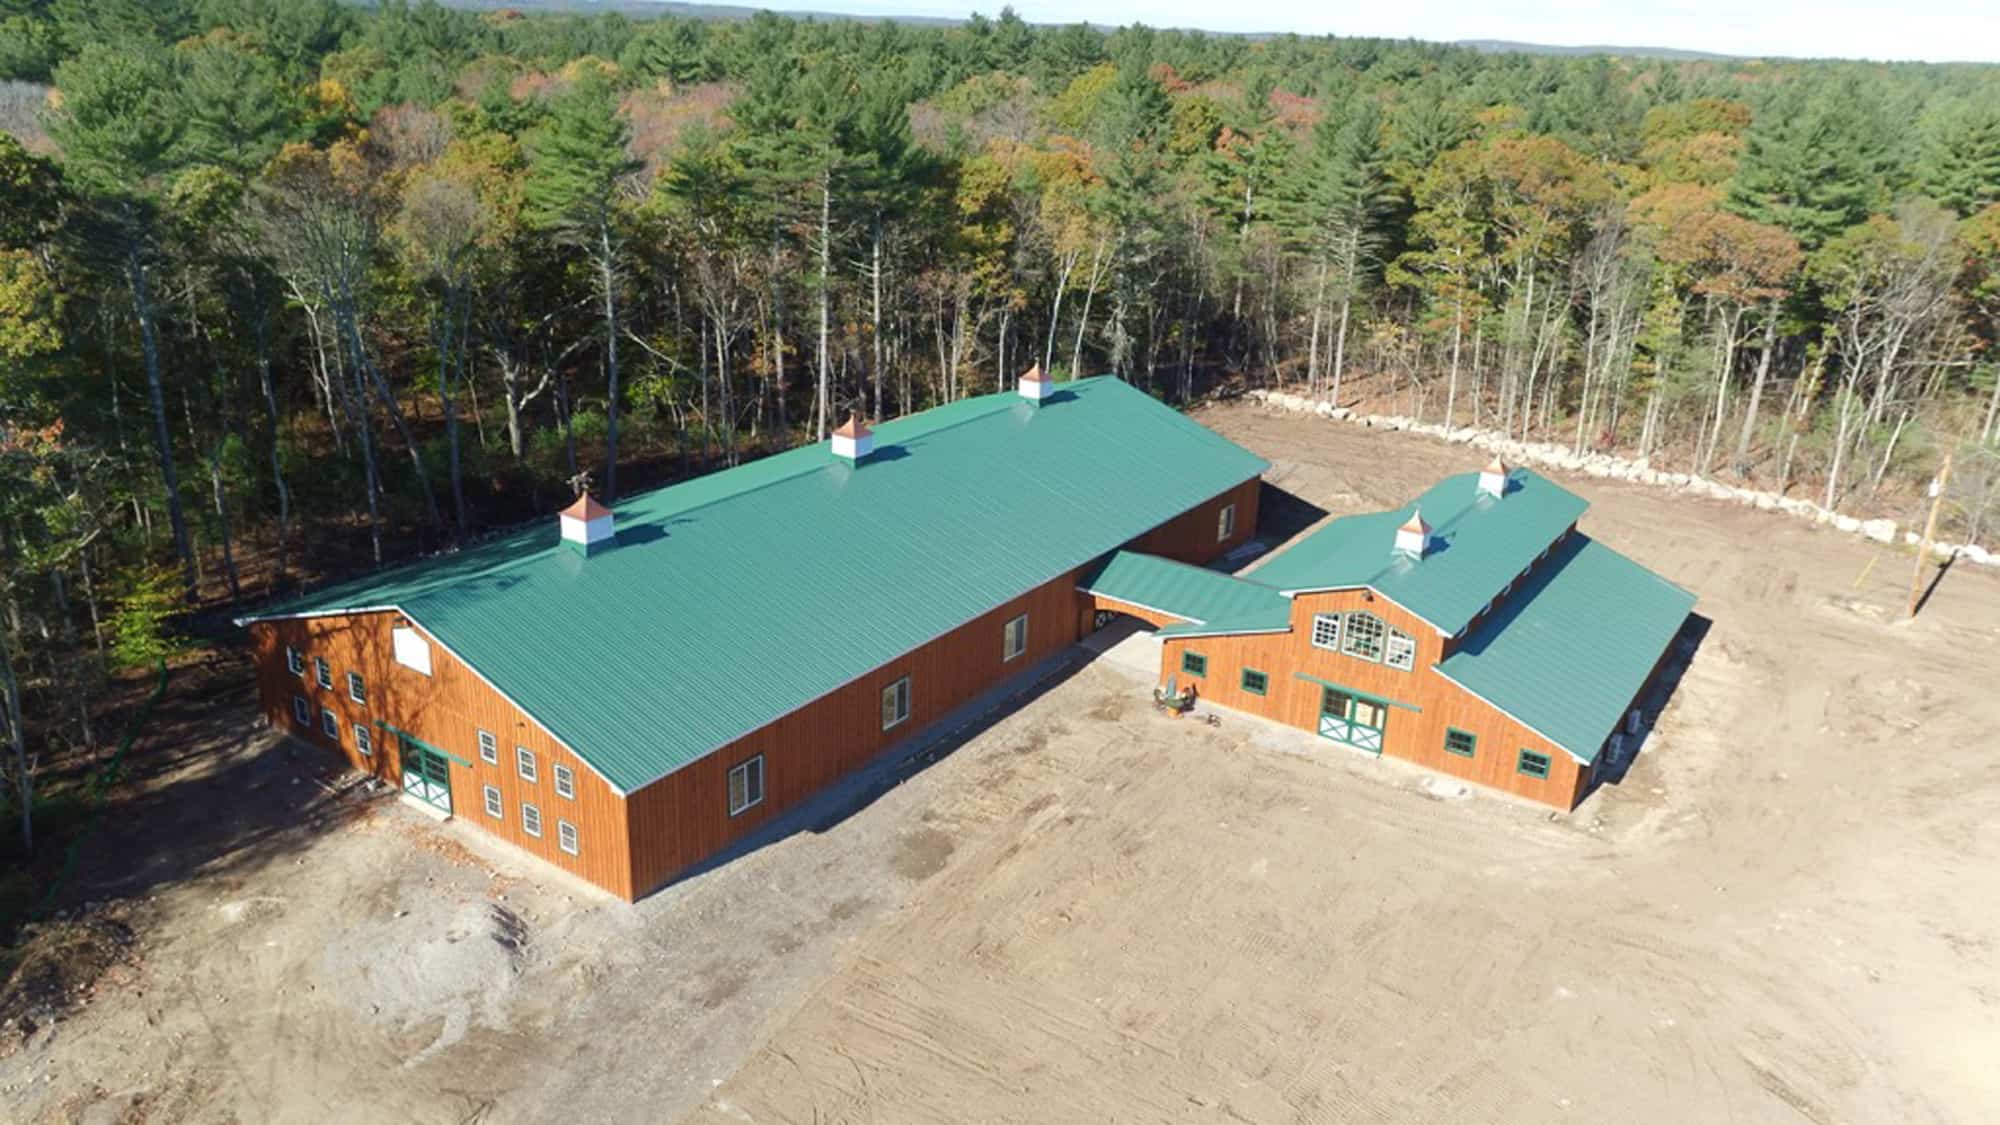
58 966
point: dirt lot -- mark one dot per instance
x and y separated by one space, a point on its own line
1088 912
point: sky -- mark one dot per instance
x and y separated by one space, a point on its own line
1930 30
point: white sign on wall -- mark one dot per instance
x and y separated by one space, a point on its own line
412 651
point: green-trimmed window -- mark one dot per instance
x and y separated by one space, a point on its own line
1533 764
1255 682
1460 742
1194 664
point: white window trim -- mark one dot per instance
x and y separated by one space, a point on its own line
357 688
743 767
1006 634
1381 638
323 673
524 764
1225 522
531 820
565 779
489 748
364 741
1408 663
567 837
491 801
295 661
302 712
904 717
1335 624
328 719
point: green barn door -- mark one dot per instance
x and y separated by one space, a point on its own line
1352 720
426 774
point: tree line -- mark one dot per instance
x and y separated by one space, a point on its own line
290 289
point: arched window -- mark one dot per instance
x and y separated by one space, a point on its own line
1364 636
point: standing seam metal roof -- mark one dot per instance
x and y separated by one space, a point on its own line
736 598
1478 544
1567 653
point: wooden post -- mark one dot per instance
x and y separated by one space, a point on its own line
1930 530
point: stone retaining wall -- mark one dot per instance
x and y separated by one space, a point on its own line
1551 456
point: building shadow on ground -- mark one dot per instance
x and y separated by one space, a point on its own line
1625 747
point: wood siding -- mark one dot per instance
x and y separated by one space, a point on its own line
684 818
446 709
635 844
1424 704
1190 537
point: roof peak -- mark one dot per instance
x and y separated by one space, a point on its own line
586 508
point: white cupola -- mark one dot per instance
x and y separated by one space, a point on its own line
1493 478
1414 537
853 441
1036 386
586 525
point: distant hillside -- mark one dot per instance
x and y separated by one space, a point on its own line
1509 46
641 9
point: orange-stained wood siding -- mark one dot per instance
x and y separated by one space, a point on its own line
1191 537
446 709
1415 735
684 818
635 844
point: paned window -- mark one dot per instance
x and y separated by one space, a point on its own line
896 703
1014 638
1326 631
1401 651
1364 636
1459 742
746 785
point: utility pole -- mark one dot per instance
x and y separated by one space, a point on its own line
1930 531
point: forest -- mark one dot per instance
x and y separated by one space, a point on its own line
291 289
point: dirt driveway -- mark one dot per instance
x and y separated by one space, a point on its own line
1091 913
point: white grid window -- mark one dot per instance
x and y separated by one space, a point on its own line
329 723
746 785
1364 636
1326 631
295 661
357 688
565 781
1014 638
364 740
1402 650
531 820
302 712
566 836
1225 523
896 703
524 763
323 672
489 748
494 808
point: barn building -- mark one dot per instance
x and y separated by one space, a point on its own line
1475 631
626 691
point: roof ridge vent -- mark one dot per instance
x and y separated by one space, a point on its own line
586 525
853 441
1036 386
1493 478
1413 539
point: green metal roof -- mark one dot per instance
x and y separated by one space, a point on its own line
738 597
1568 651
1478 545
1203 597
